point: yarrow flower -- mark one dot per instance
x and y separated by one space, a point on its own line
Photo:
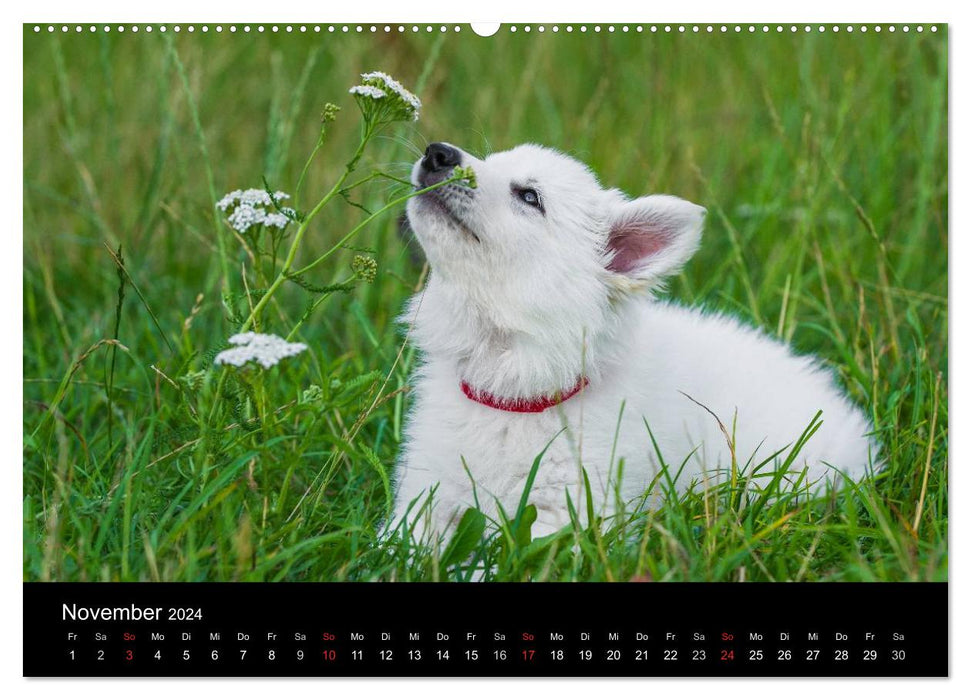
329 112
264 349
467 174
365 267
249 208
312 394
253 197
383 99
368 91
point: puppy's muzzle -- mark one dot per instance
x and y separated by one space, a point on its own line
439 161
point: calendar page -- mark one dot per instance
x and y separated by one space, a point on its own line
528 350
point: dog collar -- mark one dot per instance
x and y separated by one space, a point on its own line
536 405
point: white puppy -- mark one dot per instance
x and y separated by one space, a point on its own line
538 317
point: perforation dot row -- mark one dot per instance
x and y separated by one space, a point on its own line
345 29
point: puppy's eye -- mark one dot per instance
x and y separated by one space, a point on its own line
529 196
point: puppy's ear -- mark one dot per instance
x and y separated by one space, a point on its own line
652 237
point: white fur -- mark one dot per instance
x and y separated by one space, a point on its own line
520 304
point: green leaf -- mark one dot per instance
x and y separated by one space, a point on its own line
522 531
466 537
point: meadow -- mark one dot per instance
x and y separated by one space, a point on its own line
822 160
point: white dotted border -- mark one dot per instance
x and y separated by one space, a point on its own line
415 28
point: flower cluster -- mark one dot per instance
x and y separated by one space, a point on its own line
249 208
365 267
467 174
329 113
368 91
266 350
312 394
383 99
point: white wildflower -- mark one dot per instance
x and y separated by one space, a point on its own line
264 349
368 91
244 216
276 219
229 200
383 99
249 208
254 197
396 87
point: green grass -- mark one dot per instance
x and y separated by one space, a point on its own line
822 160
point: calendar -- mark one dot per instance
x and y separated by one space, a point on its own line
543 349
542 630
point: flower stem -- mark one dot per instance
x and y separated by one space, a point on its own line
369 219
295 244
306 167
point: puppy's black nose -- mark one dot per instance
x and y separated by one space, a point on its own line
440 156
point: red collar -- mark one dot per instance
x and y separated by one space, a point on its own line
537 405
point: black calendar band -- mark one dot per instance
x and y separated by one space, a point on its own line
496 629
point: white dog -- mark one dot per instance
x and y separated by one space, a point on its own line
538 317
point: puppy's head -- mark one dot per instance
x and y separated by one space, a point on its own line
538 241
